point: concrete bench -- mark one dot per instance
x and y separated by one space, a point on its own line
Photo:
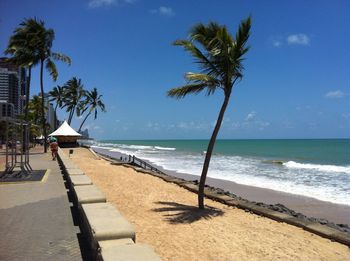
80 180
88 194
74 171
112 250
106 223
69 164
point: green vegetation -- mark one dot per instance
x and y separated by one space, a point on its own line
76 100
220 58
73 92
91 103
31 44
57 95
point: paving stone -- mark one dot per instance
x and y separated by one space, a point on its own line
106 222
134 252
75 171
35 219
89 194
80 180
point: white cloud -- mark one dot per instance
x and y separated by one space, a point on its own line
303 108
288 125
101 3
301 39
346 115
262 124
163 10
155 126
335 94
276 43
250 116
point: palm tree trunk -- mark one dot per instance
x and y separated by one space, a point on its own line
209 152
27 92
43 105
81 125
71 115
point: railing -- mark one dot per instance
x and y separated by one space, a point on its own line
143 164
132 159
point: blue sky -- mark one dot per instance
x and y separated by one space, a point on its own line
296 82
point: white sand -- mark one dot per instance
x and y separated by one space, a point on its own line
165 216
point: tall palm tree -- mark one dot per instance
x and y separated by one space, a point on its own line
74 91
22 48
93 102
43 41
57 95
220 57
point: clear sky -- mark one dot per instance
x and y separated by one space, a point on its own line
297 74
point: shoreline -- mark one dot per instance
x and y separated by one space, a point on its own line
166 217
311 207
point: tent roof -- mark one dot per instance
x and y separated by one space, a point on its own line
65 130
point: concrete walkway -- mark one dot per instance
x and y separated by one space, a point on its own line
36 218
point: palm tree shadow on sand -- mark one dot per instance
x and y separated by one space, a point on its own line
185 214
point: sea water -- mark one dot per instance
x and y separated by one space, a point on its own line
314 168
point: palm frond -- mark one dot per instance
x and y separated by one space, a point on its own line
51 67
199 57
61 57
181 92
219 56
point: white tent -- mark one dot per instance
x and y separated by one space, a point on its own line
65 130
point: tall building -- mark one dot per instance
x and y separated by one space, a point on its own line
50 115
13 81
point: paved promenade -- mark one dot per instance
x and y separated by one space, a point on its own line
36 221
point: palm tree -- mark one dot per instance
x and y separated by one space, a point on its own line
35 110
57 95
35 116
220 58
74 91
22 47
92 102
43 44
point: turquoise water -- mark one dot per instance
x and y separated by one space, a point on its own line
321 151
315 168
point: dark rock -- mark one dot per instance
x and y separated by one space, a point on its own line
323 221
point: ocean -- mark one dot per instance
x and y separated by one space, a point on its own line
313 168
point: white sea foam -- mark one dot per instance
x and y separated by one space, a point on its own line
163 148
324 182
328 168
136 147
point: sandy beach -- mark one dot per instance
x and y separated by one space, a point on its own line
165 216
336 213
311 207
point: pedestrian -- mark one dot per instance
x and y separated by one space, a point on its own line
53 147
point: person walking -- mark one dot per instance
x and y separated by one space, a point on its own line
53 147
